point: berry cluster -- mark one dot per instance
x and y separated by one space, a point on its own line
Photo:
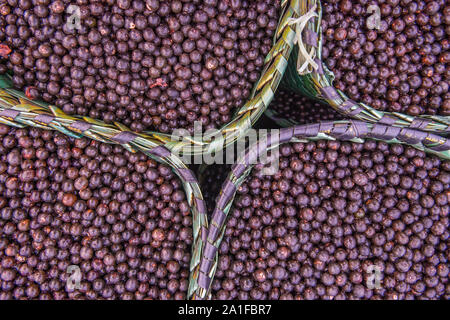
119 217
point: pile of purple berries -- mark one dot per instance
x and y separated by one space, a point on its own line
296 107
340 220
211 180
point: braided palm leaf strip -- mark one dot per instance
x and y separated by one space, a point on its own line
16 110
319 84
355 131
